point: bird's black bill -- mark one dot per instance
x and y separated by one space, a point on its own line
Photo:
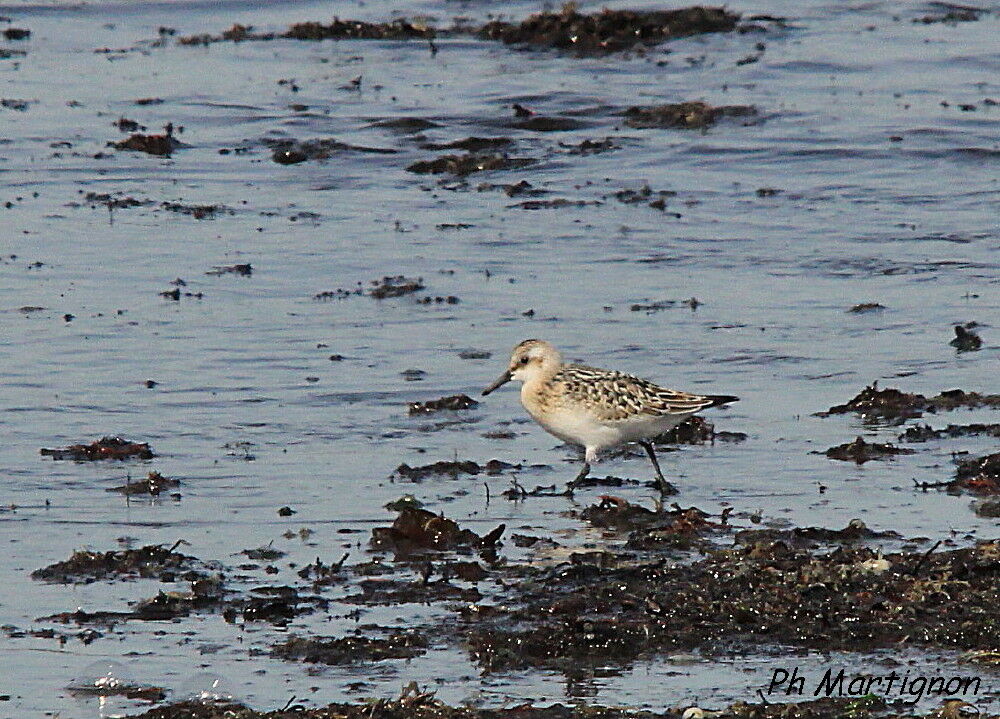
502 380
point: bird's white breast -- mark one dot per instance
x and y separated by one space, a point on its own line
579 427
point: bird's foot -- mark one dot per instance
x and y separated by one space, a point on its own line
665 487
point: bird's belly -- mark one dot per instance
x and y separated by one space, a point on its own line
578 428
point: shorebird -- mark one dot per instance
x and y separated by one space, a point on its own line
598 409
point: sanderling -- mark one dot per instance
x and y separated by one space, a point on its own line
598 409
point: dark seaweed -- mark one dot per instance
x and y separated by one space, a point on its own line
104 448
351 650
861 451
610 30
453 402
683 115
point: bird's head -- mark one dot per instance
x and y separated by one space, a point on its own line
531 359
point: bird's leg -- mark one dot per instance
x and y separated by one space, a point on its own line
589 455
584 471
661 482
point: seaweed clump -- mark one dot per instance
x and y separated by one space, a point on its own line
697 430
678 528
462 165
582 34
416 704
856 532
966 340
351 650
396 286
610 30
358 30
860 451
153 485
163 145
452 402
337 29
683 115
387 287
877 404
955 398
923 433
981 475
853 598
452 468
152 561
292 152
104 448
951 14
420 529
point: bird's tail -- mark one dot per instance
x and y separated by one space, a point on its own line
720 399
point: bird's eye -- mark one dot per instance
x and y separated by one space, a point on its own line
524 360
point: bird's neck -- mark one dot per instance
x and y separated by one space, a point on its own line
536 387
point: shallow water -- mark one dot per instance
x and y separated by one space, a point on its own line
911 224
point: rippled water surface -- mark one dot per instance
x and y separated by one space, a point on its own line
887 191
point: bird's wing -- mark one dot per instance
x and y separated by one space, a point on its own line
618 396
